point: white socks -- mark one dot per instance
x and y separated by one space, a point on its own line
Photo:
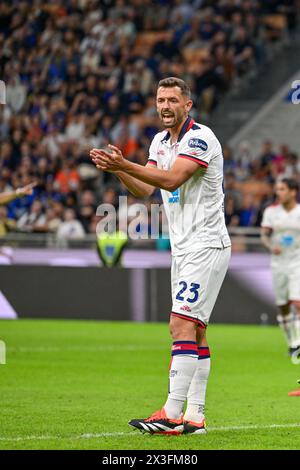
290 325
189 372
197 391
182 369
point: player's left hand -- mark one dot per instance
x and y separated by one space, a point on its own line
108 161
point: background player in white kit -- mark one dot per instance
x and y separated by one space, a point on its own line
186 162
281 235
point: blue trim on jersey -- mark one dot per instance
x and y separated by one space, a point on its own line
166 137
185 342
184 128
186 351
203 357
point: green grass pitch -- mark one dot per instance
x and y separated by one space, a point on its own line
75 385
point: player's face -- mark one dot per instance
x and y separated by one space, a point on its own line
284 194
172 106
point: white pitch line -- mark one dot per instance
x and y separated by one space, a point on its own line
135 433
50 349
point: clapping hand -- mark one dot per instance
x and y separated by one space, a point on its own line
111 160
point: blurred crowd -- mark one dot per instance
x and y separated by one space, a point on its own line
249 180
83 73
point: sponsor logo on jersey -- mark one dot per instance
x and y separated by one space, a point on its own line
161 152
287 240
186 308
197 143
175 196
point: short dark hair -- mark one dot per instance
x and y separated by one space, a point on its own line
171 82
291 183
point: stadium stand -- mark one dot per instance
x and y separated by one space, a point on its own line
82 73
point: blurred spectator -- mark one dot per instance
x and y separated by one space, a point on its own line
264 161
247 212
52 222
232 216
67 178
6 224
33 220
86 209
70 228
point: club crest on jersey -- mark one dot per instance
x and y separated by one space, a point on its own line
197 143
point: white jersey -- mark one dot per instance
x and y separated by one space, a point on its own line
285 227
195 211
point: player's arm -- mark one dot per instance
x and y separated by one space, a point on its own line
9 196
135 186
168 180
265 236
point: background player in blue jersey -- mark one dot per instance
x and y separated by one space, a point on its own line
8 196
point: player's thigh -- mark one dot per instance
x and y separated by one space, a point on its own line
294 283
280 278
213 281
198 280
174 276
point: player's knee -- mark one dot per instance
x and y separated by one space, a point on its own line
284 309
201 336
296 305
181 330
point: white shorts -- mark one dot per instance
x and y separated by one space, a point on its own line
286 282
196 281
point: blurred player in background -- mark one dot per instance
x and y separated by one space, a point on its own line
280 234
7 197
186 163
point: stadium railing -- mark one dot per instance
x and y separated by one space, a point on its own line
243 239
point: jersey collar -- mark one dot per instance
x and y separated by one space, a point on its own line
188 124
186 127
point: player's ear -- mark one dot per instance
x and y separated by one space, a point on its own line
189 105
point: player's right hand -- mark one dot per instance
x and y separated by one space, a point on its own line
276 250
26 190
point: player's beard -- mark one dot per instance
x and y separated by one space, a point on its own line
173 120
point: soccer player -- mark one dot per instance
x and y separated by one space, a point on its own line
280 234
9 196
186 163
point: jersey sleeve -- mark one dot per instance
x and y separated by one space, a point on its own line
267 219
152 158
198 148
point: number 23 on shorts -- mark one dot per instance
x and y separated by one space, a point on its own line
192 289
